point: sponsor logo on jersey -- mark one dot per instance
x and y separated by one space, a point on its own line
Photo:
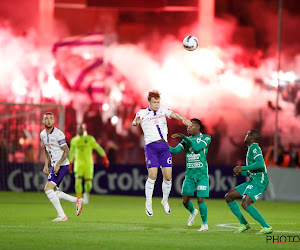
155 117
194 165
193 157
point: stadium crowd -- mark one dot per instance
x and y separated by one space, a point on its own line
124 143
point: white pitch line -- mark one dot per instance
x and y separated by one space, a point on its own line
11 226
104 228
227 225
224 225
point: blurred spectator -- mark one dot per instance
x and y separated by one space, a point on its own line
70 125
29 152
283 158
272 107
240 150
93 121
111 149
297 104
294 154
259 122
131 145
214 147
3 152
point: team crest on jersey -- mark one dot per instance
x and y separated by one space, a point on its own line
149 162
198 140
255 151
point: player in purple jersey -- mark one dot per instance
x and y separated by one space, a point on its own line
56 151
157 153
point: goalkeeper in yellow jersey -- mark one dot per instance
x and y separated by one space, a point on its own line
81 147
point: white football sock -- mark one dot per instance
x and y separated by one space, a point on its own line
86 198
149 186
63 196
166 189
55 201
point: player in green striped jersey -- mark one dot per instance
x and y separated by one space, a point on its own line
195 146
250 191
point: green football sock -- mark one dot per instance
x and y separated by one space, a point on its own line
203 212
190 207
257 216
234 207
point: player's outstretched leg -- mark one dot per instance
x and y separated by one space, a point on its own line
234 207
190 207
203 213
49 190
246 204
76 200
149 186
63 196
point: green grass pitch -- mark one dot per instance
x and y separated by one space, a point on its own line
120 222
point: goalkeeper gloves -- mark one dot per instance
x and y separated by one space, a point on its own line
70 169
105 161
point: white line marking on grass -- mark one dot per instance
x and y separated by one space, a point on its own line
103 228
228 225
224 225
11 226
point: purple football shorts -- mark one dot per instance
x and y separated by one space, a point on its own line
158 154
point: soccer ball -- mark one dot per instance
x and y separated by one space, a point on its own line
190 43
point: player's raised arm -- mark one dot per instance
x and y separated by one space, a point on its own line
100 151
179 117
46 168
197 145
136 121
138 118
176 150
